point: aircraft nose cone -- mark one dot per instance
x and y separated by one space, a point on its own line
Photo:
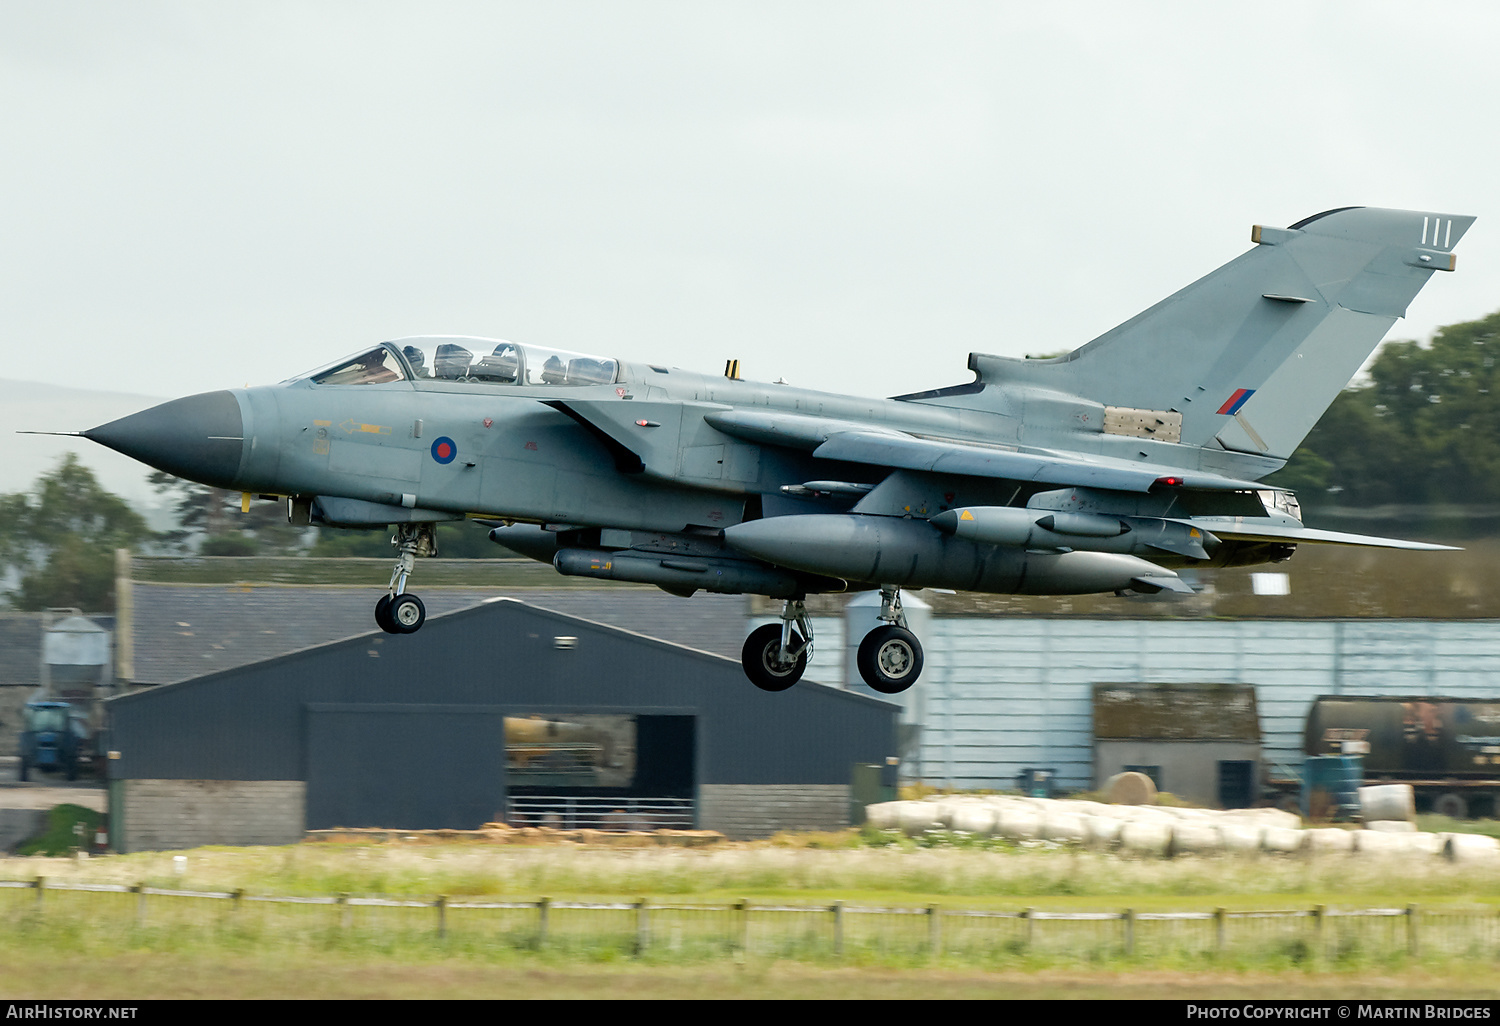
201 437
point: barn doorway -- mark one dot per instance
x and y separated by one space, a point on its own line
601 772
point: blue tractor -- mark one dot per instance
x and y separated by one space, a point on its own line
54 739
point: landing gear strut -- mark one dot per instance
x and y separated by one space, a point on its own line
890 656
397 612
775 656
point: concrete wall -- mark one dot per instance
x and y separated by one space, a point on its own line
17 825
744 811
164 815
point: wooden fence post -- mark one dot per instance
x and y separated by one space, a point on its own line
642 928
838 928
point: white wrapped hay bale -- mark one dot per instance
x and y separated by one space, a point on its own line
1427 844
943 808
918 818
1191 837
1388 802
1146 838
1083 807
1281 839
1383 842
1241 838
1470 848
1121 812
1062 827
974 818
1018 823
1102 831
1268 818
884 816
1328 840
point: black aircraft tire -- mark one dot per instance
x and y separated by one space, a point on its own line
890 659
759 659
407 614
383 615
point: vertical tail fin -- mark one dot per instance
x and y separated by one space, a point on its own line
1252 354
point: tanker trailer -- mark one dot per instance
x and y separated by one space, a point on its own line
1447 749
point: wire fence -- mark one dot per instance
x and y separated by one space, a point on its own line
672 929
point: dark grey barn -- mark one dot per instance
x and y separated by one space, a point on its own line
411 732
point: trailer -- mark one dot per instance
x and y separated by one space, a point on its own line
1447 749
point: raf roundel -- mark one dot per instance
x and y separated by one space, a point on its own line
444 450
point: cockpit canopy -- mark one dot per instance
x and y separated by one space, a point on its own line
464 359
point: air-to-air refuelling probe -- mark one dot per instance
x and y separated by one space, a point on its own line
1099 471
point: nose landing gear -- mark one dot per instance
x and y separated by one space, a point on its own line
397 612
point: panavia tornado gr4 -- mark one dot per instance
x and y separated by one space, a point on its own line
1104 470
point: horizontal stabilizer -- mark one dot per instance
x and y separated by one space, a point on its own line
1244 529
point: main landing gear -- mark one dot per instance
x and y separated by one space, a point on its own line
397 612
775 657
889 658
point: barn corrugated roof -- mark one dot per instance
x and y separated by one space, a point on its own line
1175 712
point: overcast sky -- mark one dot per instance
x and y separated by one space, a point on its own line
851 196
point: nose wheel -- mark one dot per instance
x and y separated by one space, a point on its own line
398 612
403 614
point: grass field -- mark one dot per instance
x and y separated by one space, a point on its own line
84 944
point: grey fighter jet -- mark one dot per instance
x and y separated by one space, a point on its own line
1100 471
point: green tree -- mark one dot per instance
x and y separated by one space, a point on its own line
1425 428
213 517
59 539
466 540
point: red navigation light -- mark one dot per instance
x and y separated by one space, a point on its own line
1170 482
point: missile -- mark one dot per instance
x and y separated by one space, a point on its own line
916 554
1092 532
683 575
